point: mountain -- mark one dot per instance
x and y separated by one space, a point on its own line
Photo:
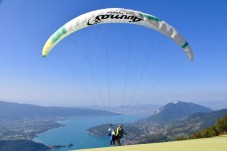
10 110
158 132
175 111
148 132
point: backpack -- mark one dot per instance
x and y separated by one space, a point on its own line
120 133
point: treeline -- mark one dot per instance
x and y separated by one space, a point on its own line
218 129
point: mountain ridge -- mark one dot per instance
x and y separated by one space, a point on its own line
9 110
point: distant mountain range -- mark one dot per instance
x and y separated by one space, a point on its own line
10 110
136 109
131 109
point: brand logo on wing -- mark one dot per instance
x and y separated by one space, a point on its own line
115 16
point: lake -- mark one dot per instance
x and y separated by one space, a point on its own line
74 131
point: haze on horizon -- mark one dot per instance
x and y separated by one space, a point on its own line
112 64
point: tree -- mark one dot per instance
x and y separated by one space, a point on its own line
221 125
219 128
209 132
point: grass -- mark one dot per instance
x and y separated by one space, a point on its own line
207 144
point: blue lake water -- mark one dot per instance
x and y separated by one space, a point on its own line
74 132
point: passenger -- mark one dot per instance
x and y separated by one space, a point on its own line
111 134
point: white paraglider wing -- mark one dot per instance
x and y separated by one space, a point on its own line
117 15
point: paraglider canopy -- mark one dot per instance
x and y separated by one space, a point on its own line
117 15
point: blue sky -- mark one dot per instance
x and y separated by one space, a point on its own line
112 64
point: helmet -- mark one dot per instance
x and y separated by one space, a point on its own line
109 129
119 125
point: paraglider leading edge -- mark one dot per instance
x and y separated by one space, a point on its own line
117 15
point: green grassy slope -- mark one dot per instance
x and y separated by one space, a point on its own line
208 144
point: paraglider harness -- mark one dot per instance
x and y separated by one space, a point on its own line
120 133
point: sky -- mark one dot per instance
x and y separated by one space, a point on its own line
112 64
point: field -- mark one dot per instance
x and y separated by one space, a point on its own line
207 144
